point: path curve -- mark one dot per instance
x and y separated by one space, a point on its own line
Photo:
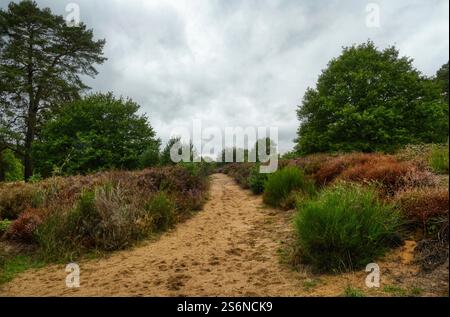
224 250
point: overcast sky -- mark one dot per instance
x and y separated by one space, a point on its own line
243 62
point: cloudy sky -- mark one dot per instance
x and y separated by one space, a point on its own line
243 62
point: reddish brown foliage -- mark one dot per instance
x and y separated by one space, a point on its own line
337 165
23 228
422 204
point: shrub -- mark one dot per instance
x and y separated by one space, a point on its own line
346 226
337 165
391 175
257 180
282 183
439 159
162 211
24 227
240 172
15 198
4 225
420 205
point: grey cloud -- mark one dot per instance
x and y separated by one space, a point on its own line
243 62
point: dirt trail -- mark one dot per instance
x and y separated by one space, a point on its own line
231 248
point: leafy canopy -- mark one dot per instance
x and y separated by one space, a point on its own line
95 133
370 100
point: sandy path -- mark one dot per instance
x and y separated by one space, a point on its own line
231 248
222 251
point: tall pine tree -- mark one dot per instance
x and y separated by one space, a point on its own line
41 61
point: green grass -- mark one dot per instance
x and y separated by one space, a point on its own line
308 285
16 265
439 159
282 184
4 225
353 292
396 291
345 227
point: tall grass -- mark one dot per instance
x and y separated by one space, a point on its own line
439 159
281 185
346 226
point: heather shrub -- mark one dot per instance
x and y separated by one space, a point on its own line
391 175
335 166
240 172
15 198
282 183
345 227
161 211
422 205
24 227
257 180
439 159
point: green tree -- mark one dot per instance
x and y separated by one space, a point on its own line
95 133
11 169
165 158
41 61
442 80
370 100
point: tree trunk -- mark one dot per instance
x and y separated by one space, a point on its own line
29 138
2 167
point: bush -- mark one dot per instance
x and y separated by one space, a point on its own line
24 227
11 168
4 225
345 227
439 159
391 175
283 183
14 199
422 205
162 211
257 180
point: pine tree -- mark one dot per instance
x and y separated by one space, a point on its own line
41 61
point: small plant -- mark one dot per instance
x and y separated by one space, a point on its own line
439 159
283 183
24 227
345 227
4 225
162 211
257 180
353 292
394 290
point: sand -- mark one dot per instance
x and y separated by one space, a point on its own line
233 247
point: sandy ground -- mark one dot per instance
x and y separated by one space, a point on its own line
234 247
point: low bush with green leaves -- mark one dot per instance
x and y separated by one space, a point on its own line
345 227
4 225
281 185
161 211
257 180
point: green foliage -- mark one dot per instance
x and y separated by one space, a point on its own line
257 180
12 266
439 159
283 183
4 225
353 292
345 227
442 80
150 157
11 168
95 133
371 100
162 211
42 61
